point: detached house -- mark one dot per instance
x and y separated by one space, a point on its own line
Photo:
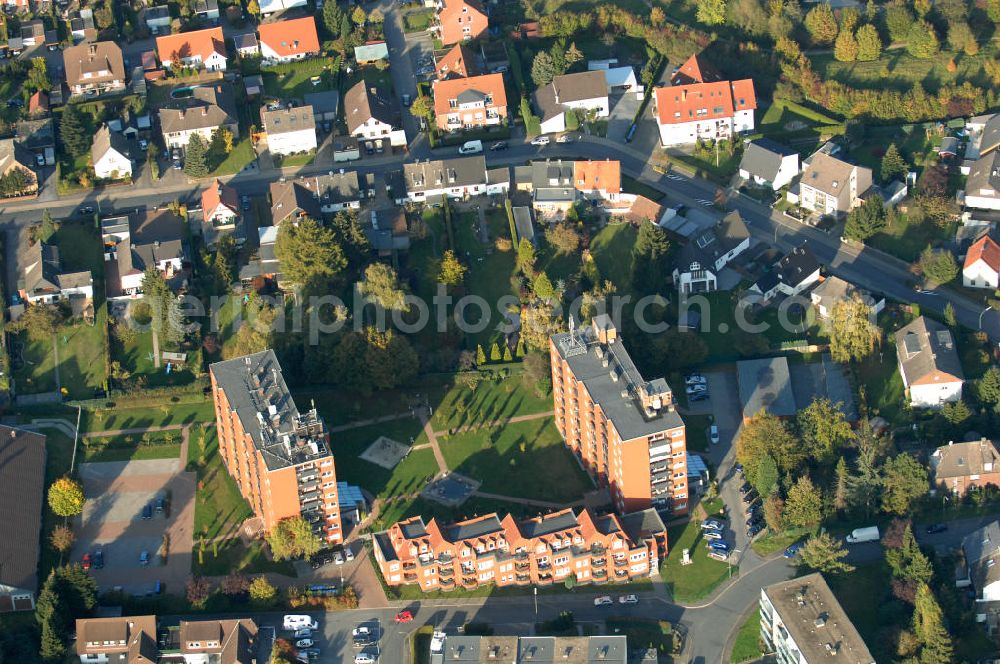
220 204
706 254
157 18
289 130
13 158
123 639
140 240
769 164
459 62
223 641
586 92
696 107
982 187
470 103
982 264
202 49
110 155
791 275
832 186
209 107
284 41
598 180
370 115
94 69
43 279
958 467
981 562
313 196
460 20
929 363
834 290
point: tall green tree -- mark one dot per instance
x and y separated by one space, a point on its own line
763 436
928 624
309 253
904 480
822 24
846 47
825 554
824 430
451 272
853 333
381 285
866 483
922 40
866 220
333 17
907 561
988 387
898 21
196 157
711 12
543 69
650 259
526 257
804 506
293 538
841 487
73 131
938 265
869 43
66 497
893 166
163 305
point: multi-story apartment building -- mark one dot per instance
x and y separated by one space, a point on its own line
624 430
460 20
280 458
470 103
832 186
504 552
802 622
94 69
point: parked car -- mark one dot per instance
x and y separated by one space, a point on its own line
718 555
695 389
304 643
98 559
754 519
403 617
746 488
364 658
739 468
86 209
713 523
86 561
604 600
147 511
793 550
695 379
348 554
362 630
499 145
161 504
628 599
338 558
698 396
565 138
143 144
754 529
750 496
296 622
406 100
541 140
303 633
713 434
718 546
320 560
712 535
936 528
39 159
144 558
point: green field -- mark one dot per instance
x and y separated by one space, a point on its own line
489 402
747 645
690 583
292 80
408 477
121 416
242 154
905 239
136 357
611 249
898 69
417 21
219 508
526 459
154 445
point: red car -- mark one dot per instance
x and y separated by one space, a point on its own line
403 617
86 561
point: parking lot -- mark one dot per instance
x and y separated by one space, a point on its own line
123 518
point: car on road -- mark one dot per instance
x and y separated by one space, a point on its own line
565 138
628 599
713 434
406 100
793 550
86 561
936 528
694 379
147 511
86 209
541 140
338 558
755 528
499 145
603 600
364 658
403 617
304 643
144 558
304 633
712 535
98 559
161 504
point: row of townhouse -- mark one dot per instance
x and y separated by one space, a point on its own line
280 41
505 552
136 639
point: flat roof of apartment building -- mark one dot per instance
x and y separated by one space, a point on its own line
816 621
614 382
257 392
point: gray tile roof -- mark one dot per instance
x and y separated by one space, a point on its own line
982 555
22 485
990 139
547 525
478 528
365 101
765 384
323 102
105 140
550 99
707 247
977 457
762 158
210 105
93 58
638 525
287 120
925 346
36 134
444 173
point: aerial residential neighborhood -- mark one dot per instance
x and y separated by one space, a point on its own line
500 331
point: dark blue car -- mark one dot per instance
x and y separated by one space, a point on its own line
793 550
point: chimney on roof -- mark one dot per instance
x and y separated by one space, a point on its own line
555 91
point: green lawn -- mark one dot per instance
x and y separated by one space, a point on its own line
905 239
226 556
417 21
526 459
782 111
489 402
219 508
407 477
706 165
879 375
644 633
136 357
916 147
242 154
293 160
611 249
154 445
69 172
690 583
747 645
904 70
768 544
861 593
697 432
121 416
721 311
294 79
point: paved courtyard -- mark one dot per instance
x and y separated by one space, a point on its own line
112 521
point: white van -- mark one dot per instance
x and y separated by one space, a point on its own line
471 147
299 622
858 535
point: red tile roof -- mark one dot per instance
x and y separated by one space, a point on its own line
202 43
988 250
682 103
598 175
216 193
287 38
459 61
695 71
491 84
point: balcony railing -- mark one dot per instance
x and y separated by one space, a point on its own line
599 562
600 574
409 577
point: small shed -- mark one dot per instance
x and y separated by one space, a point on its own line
371 52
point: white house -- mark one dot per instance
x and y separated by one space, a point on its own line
272 6
617 78
769 164
834 290
207 109
456 178
929 363
707 111
44 280
585 92
832 186
794 273
289 130
370 116
204 49
110 155
981 554
220 204
982 264
705 255
285 41
134 242
982 188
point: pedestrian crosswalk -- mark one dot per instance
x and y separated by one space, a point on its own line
705 202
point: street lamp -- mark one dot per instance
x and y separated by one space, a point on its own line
982 313
535 588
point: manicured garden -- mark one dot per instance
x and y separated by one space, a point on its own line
219 508
693 582
489 402
133 447
156 412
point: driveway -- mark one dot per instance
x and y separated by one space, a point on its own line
404 52
622 113
112 521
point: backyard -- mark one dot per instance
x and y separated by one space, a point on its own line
292 80
134 447
611 250
718 318
690 583
907 236
58 458
136 357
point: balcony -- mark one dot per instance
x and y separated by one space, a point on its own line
445 558
409 565
542 566
600 574
522 566
621 574
621 562
446 571
599 562
447 583
409 577
522 578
